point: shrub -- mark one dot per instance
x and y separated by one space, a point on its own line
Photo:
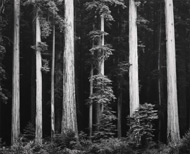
106 129
110 146
140 123
184 145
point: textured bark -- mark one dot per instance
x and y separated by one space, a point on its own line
99 107
69 118
173 123
16 75
38 133
133 58
52 85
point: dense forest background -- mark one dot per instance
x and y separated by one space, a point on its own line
152 61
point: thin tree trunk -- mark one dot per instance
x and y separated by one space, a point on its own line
160 76
69 118
16 74
91 93
91 103
173 122
119 109
133 58
38 135
52 85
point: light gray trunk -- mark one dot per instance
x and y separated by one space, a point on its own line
99 107
52 85
16 75
69 118
133 58
173 122
38 133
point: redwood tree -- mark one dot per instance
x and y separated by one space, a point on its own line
173 123
38 133
16 75
69 119
133 58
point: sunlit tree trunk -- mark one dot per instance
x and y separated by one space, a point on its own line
52 85
16 74
133 58
69 118
38 133
173 123
99 107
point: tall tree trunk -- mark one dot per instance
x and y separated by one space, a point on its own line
99 107
69 118
16 74
173 122
160 73
52 85
91 93
133 58
38 135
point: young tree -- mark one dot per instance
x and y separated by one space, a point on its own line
16 74
69 118
133 58
38 133
173 123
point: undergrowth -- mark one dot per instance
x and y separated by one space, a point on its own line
139 139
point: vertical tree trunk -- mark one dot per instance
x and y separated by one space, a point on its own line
16 73
99 107
173 123
91 103
38 135
69 118
52 85
91 93
160 76
133 58
119 109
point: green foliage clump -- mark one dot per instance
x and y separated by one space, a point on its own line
102 7
184 145
111 146
29 132
106 128
45 27
104 93
141 126
3 96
